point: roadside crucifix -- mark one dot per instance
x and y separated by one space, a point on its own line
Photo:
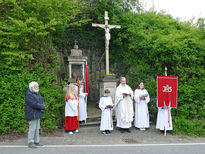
107 28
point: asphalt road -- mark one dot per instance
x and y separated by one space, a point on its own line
183 148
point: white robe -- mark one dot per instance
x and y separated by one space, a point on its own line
164 119
71 108
82 104
124 106
106 116
141 109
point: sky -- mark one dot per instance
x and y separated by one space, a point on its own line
182 9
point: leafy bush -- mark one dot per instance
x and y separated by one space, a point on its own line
12 108
27 30
194 127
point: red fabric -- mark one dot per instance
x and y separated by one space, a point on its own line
86 80
167 91
71 123
68 97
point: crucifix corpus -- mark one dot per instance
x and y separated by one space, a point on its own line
107 28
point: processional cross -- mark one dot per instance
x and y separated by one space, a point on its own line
107 28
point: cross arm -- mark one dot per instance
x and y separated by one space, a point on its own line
98 25
114 26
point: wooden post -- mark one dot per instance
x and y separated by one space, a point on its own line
78 85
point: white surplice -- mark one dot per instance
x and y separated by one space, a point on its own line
106 116
82 104
71 108
164 119
124 106
141 109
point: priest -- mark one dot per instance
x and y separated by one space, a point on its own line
124 106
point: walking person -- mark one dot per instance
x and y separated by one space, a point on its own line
34 111
141 98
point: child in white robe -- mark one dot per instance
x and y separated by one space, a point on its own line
164 119
106 106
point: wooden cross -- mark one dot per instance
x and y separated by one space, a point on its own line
107 28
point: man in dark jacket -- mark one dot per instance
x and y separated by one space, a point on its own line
34 110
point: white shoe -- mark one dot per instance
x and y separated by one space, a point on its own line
76 131
141 129
70 133
144 129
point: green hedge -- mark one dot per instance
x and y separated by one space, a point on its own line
193 127
12 107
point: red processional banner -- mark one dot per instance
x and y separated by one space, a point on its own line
86 80
167 91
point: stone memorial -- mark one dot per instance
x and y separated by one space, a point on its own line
76 65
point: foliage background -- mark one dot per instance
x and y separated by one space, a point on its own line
28 30
31 31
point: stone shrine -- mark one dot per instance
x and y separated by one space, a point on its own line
76 63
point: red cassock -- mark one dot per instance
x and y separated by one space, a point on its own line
167 91
71 122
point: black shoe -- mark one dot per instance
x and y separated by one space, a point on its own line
32 145
107 132
38 144
122 130
128 130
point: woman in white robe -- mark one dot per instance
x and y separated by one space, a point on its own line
164 119
106 106
141 98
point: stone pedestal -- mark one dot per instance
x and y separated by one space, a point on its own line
108 83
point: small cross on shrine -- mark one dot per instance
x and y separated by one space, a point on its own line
107 28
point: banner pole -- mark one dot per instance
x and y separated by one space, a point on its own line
165 131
